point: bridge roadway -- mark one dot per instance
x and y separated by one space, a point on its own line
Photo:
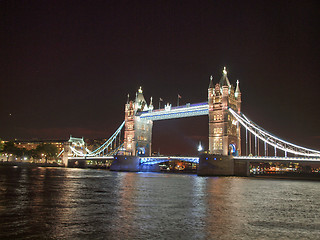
92 158
160 159
142 160
266 159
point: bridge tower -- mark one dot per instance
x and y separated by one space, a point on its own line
138 132
224 130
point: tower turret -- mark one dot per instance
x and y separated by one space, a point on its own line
224 81
238 88
140 102
211 92
211 82
150 105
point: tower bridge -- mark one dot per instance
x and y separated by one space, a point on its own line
224 130
132 141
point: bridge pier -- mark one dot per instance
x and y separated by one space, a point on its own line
220 165
77 164
125 163
241 168
150 168
215 165
132 164
66 153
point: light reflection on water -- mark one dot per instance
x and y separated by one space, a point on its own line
58 203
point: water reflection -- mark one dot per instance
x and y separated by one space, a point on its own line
123 221
57 203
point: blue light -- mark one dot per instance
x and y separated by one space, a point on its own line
156 160
174 114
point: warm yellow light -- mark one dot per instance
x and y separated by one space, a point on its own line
225 71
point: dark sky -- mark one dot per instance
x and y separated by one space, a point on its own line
67 66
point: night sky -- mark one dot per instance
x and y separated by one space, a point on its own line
67 66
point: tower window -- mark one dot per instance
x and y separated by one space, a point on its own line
217 130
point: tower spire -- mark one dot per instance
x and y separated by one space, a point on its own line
224 71
211 82
237 92
224 81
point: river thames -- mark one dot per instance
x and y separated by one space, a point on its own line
64 203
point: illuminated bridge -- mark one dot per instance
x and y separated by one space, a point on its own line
259 134
133 138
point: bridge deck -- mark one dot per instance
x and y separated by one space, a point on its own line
277 159
160 159
92 158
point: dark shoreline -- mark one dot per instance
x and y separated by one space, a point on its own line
28 164
301 176
288 176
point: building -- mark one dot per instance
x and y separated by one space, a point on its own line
32 144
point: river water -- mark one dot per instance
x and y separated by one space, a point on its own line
64 203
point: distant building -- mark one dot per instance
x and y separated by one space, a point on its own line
27 144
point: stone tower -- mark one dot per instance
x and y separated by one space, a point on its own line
224 130
138 132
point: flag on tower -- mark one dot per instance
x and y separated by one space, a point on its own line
160 100
178 99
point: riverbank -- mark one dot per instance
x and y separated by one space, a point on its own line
28 164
